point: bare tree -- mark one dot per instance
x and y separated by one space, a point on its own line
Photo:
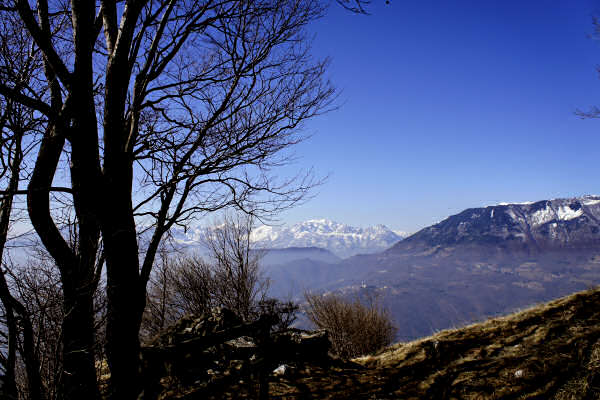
37 287
183 108
18 128
178 286
238 282
593 111
229 277
356 6
13 130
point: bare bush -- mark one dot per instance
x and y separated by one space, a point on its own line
237 280
229 277
284 312
178 287
36 287
356 328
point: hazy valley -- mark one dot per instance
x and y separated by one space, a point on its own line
479 263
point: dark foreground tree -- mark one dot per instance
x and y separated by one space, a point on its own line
160 111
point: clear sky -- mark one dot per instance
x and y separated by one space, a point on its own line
447 105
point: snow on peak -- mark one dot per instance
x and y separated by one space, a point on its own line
510 204
545 211
341 239
402 234
590 200
542 216
566 213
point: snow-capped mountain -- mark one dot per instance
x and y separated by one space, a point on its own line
342 240
531 226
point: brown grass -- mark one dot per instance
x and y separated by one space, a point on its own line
551 351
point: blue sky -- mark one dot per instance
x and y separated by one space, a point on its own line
449 105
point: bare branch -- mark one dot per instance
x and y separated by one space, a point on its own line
43 41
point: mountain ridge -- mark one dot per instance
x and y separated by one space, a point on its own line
532 226
341 239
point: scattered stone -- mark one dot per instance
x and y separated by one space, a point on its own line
281 370
519 373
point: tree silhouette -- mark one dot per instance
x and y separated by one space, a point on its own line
153 113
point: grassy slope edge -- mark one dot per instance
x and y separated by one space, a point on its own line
551 351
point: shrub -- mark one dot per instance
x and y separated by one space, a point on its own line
282 312
229 277
355 328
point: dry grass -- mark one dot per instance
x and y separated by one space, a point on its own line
551 351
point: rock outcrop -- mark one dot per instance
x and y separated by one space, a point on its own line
209 352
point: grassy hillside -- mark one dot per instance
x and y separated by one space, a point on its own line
551 351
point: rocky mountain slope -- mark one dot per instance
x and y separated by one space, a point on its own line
531 227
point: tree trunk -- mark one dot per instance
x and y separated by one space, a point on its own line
126 299
10 386
13 306
79 377
125 292
79 372
123 322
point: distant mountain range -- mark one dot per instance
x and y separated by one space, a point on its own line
340 239
475 264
